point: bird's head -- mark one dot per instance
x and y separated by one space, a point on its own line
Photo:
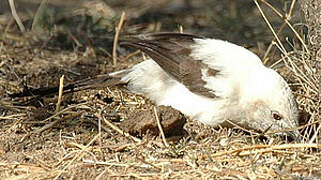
269 104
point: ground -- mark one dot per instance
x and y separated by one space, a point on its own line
85 136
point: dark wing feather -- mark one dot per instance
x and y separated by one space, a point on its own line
172 52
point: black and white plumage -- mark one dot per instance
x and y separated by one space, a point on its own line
209 80
212 81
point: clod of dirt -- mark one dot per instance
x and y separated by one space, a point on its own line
140 123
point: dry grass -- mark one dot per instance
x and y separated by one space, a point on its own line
303 74
81 139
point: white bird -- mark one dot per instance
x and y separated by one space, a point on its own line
212 81
209 80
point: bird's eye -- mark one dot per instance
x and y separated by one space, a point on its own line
276 116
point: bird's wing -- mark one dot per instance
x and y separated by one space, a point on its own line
171 51
208 67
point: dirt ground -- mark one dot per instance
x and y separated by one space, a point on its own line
86 137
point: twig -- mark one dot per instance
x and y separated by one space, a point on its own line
243 129
62 111
130 55
286 19
37 16
160 128
116 164
99 116
117 29
76 41
16 17
47 126
101 175
265 148
315 135
61 88
180 29
271 28
14 116
268 50
78 156
99 130
150 164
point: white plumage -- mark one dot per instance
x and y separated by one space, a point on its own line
235 85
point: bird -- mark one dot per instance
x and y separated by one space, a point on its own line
212 81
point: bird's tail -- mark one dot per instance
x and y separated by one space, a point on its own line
99 81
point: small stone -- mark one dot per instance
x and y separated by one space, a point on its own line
140 123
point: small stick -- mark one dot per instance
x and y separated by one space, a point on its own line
180 29
148 163
16 17
314 137
13 117
99 130
99 116
268 50
61 88
265 148
62 111
117 29
51 124
78 156
243 129
271 28
130 55
286 19
160 128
